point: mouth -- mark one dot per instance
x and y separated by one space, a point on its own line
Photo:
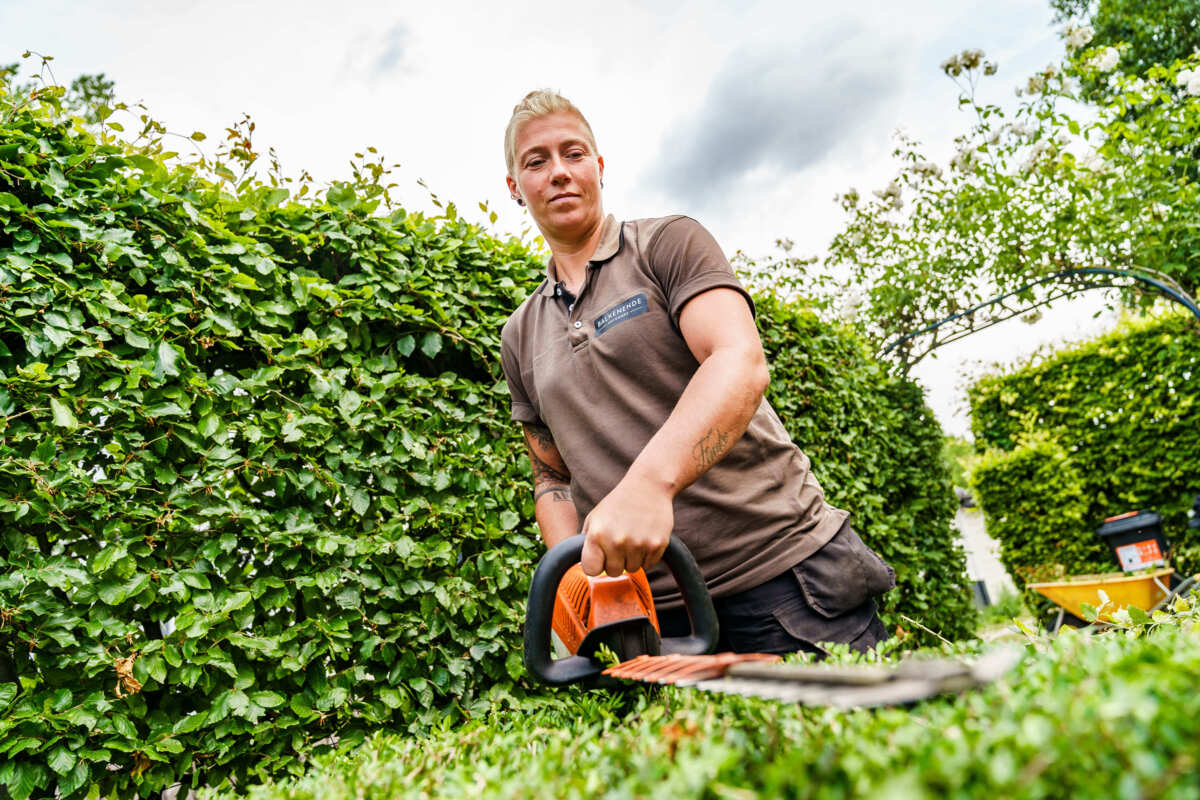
563 196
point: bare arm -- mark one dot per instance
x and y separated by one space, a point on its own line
631 526
552 503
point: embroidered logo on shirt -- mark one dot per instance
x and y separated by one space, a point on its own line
626 309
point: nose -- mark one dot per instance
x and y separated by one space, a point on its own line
559 174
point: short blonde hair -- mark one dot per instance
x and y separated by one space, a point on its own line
538 103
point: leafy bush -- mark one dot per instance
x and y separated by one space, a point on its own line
1034 506
877 450
1104 716
1101 428
257 472
258 486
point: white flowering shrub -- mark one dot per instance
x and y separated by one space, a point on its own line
1030 192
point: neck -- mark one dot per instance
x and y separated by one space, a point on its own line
571 255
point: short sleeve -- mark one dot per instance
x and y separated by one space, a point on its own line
687 261
523 409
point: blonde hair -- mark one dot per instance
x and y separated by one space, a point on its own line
538 103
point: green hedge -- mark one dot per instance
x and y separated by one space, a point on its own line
877 449
258 485
279 429
1087 717
1101 428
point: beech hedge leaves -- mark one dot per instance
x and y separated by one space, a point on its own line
1105 427
259 492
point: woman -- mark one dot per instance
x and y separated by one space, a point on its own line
638 375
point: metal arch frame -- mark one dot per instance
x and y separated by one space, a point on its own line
1103 278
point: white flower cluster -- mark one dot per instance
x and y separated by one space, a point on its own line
890 195
848 200
1037 82
850 305
1096 163
965 61
926 169
1040 148
1078 37
966 159
1159 210
1106 59
1189 79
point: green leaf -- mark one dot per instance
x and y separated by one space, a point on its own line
209 425
135 339
509 520
165 363
1089 612
27 777
63 417
342 195
350 402
61 760
431 344
74 780
111 592
242 280
7 692
165 410
360 501
267 699
1138 615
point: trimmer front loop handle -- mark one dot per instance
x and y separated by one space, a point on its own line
540 611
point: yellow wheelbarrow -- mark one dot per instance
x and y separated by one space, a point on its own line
1146 591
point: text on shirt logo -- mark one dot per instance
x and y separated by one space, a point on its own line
626 309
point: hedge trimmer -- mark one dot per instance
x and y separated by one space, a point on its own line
598 617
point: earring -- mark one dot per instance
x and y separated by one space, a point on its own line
521 202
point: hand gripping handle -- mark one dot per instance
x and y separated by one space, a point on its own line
540 611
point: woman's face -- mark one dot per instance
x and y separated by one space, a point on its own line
558 175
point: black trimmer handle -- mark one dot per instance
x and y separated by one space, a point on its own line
540 611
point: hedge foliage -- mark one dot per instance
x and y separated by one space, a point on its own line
1087 717
259 492
1108 426
877 450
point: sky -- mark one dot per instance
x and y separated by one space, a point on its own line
748 116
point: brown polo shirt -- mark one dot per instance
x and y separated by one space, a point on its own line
605 375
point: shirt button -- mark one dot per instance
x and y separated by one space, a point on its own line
558 291
578 324
571 307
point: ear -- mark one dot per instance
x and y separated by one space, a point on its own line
600 161
513 190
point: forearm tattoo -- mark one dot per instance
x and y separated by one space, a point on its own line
710 448
559 494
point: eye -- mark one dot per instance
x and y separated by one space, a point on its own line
534 162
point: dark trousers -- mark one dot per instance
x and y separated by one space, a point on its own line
828 597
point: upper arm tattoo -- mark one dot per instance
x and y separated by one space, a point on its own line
543 472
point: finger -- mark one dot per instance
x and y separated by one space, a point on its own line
614 556
634 558
592 559
655 555
614 563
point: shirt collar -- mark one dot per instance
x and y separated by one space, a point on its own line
608 246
